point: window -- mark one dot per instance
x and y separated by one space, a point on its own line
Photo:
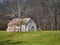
32 28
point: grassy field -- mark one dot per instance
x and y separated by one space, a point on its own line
30 38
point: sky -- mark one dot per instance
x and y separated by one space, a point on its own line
0 0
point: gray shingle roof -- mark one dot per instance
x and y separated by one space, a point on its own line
17 21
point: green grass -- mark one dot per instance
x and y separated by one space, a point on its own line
30 38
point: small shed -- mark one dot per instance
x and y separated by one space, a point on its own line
21 25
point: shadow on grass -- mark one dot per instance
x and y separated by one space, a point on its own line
8 42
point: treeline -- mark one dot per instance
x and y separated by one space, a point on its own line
46 13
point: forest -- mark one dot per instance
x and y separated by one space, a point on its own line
46 13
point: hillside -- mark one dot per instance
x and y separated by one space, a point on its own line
30 38
46 13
